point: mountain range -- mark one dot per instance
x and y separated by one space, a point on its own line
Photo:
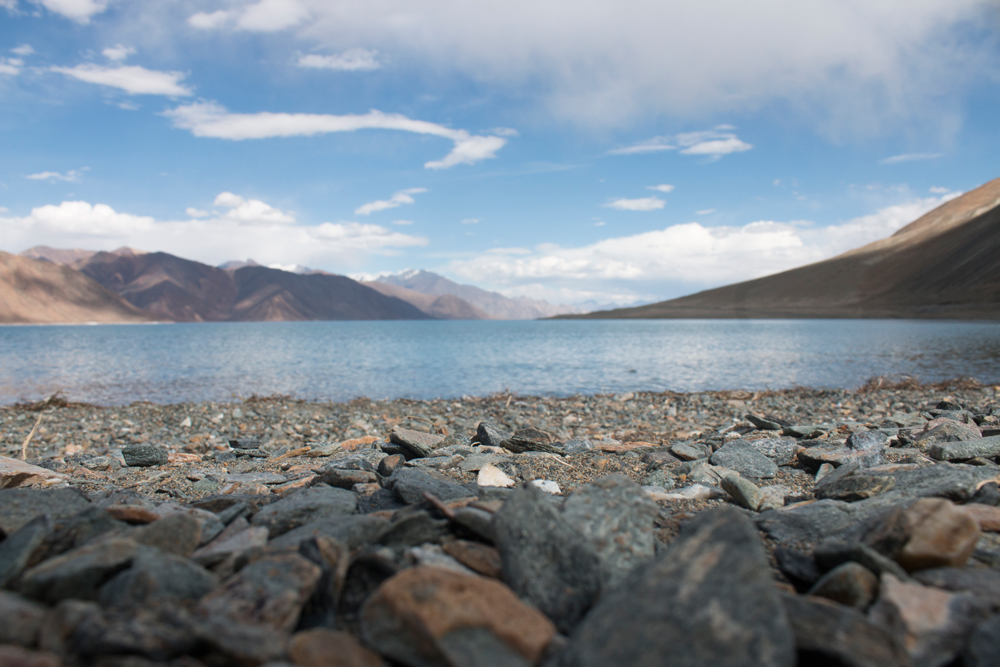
945 264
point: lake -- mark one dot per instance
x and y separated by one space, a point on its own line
167 363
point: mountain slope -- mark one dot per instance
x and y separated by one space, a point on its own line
41 292
444 307
945 264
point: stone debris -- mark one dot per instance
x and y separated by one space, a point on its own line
728 528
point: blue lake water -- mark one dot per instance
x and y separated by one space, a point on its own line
113 364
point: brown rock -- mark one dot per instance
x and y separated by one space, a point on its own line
20 620
321 647
424 616
12 656
849 584
354 443
987 516
941 535
134 514
476 556
14 473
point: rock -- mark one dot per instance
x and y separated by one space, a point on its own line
269 592
654 460
476 556
743 491
78 573
947 431
740 455
577 445
413 528
546 561
941 535
355 531
773 497
660 478
322 647
477 462
344 479
20 548
849 584
15 656
690 451
156 576
19 506
231 543
245 443
867 441
983 647
434 617
20 620
988 447
800 569
306 506
833 553
132 514
178 534
531 440
491 435
763 424
987 516
157 634
832 634
546 485
851 488
490 475
478 521
823 471
780 450
981 582
416 442
934 624
410 484
14 473
617 519
431 555
144 456
944 480
242 643
708 600
837 456
390 464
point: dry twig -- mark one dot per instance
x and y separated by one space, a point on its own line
24 445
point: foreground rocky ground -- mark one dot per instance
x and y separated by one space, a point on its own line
779 528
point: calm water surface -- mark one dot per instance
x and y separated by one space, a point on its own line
113 364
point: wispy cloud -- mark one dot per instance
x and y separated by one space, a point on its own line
911 157
208 119
75 10
654 145
23 50
643 204
352 60
71 176
133 79
395 201
666 187
712 143
118 53
705 211
470 221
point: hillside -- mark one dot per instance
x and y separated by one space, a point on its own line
945 264
444 307
34 291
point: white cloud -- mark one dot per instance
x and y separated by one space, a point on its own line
208 119
76 10
661 188
23 50
395 201
271 239
470 221
911 157
504 132
705 211
402 222
654 145
133 79
681 258
643 204
251 211
11 66
210 21
940 191
352 60
259 16
118 53
71 176
196 213
712 143
9 5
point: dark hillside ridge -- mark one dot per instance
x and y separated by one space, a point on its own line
944 265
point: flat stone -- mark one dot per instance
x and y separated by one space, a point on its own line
833 553
477 462
689 451
178 534
741 456
934 623
416 442
476 556
617 519
144 456
256 478
849 584
268 592
709 599
344 479
941 535
654 460
546 560
763 423
390 464
245 443
837 456
851 488
981 582
531 440
78 573
813 522
800 569
577 445
945 480
947 430
231 543
412 529
306 506
478 521
21 547
410 484
988 517
19 506
322 647
491 435
866 441
20 620
437 462
780 450
743 491
133 514
356 531
14 473
490 475
988 447
546 485
983 647
156 576
424 616
773 497
832 634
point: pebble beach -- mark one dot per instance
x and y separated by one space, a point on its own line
791 527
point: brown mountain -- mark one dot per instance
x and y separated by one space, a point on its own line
945 264
34 291
443 307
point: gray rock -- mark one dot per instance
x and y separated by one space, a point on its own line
306 506
546 561
981 582
838 456
256 478
345 479
478 521
654 460
356 531
743 491
490 434
577 445
413 529
661 478
617 519
19 506
410 484
157 634
156 576
79 573
477 462
269 592
780 450
690 451
968 449
20 620
949 431
800 569
178 534
806 430
245 443
814 522
144 456
832 634
417 443
531 440
708 600
763 423
866 441
17 551
741 456
834 553
237 539
945 480
849 584
851 488
983 647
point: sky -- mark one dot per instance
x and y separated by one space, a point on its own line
584 152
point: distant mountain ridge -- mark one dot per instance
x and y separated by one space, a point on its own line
945 264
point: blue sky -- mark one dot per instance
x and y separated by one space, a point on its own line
598 151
